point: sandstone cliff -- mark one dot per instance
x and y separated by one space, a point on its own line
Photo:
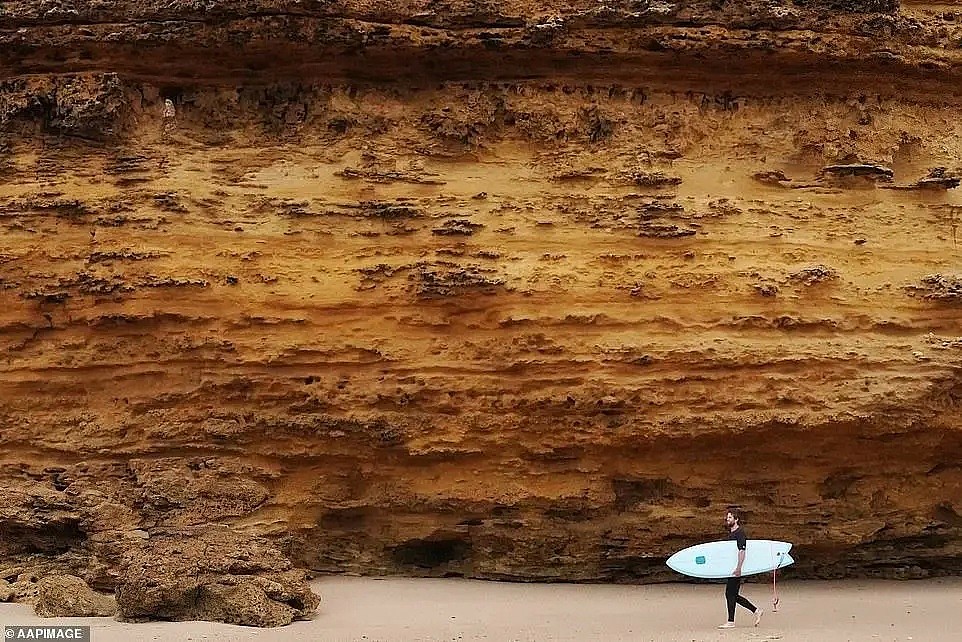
522 290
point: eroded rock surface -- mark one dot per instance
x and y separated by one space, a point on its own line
212 574
69 596
493 289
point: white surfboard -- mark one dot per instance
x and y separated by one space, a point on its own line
717 560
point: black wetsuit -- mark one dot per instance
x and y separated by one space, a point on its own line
734 583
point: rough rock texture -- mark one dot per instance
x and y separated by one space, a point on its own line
5 591
69 596
212 574
495 289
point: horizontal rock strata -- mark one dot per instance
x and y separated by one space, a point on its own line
496 290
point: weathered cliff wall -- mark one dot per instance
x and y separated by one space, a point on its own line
501 290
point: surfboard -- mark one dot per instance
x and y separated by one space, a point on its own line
717 560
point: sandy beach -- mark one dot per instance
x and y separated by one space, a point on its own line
402 610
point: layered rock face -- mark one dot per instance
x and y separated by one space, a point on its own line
518 290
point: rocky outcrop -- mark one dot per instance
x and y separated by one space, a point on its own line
212 574
505 290
69 596
410 39
5 591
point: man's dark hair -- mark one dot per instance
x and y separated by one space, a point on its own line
736 513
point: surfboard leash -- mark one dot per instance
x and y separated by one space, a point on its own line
771 549
774 591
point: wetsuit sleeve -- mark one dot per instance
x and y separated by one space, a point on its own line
740 540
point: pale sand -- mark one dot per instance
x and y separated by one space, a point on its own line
432 610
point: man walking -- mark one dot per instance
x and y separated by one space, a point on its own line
737 533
